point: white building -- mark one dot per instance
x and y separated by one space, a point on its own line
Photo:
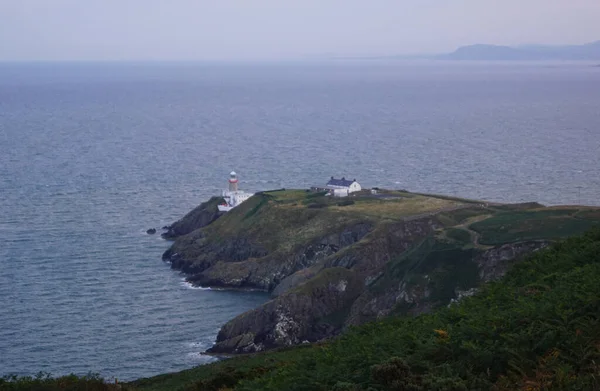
339 187
233 196
339 192
350 185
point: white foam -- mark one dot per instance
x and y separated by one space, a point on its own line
189 285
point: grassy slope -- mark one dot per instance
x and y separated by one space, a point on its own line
539 223
538 328
281 220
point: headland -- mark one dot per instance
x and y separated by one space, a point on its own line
335 262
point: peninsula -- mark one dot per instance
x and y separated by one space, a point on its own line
335 262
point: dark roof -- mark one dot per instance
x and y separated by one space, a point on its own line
340 182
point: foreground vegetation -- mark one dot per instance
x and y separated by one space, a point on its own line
536 329
44 382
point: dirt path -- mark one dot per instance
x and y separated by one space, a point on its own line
442 210
475 236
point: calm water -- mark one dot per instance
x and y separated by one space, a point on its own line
92 155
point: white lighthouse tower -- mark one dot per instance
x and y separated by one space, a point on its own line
233 196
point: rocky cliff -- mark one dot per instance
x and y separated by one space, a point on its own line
199 217
332 264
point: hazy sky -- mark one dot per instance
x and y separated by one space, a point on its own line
270 29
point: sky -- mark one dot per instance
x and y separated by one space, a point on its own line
133 30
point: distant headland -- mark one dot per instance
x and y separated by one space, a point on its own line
488 52
586 52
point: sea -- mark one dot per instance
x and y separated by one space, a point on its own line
94 154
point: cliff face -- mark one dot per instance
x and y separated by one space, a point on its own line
314 303
330 265
302 315
239 262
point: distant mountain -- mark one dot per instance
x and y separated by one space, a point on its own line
587 52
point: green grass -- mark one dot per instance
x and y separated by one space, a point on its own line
518 207
510 227
589 214
281 221
458 235
447 265
222 374
461 215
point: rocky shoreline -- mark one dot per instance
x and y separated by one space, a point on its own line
330 268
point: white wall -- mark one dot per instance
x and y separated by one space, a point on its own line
355 186
340 192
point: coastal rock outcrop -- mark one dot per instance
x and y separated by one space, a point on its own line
300 315
199 217
244 268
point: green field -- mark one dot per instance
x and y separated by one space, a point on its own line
555 223
459 235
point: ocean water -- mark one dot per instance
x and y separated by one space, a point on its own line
91 155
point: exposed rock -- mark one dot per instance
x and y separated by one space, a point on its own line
313 303
239 263
462 294
495 262
151 231
199 217
194 253
304 314
415 296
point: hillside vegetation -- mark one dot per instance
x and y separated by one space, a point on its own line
538 328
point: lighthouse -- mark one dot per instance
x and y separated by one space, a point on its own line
232 197
233 181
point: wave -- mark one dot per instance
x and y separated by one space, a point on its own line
189 285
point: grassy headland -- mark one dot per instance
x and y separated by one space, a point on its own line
333 263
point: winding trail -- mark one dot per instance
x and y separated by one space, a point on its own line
442 210
475 236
